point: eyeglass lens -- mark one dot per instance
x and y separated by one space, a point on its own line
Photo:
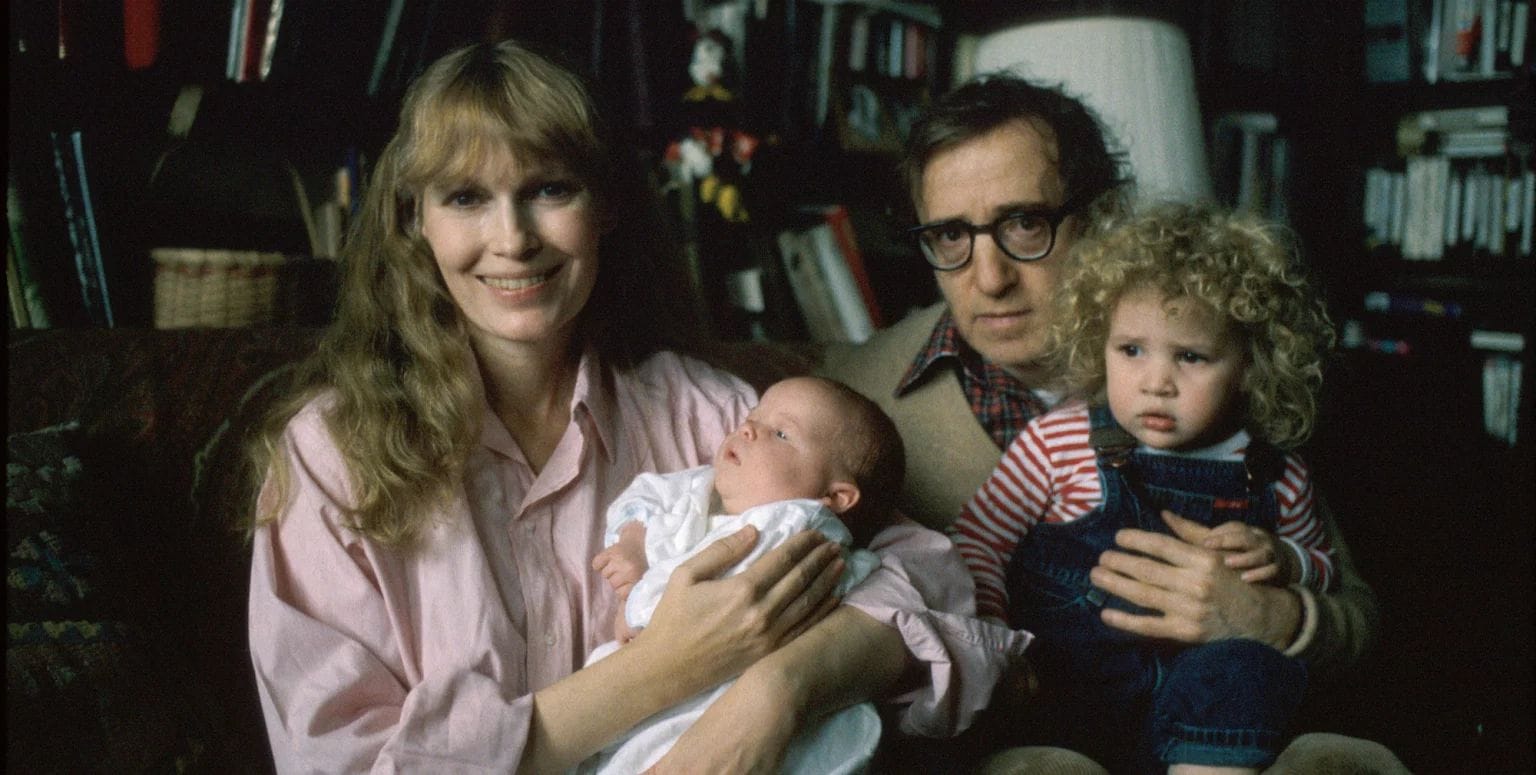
1024 236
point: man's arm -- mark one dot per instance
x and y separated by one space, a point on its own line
1202 600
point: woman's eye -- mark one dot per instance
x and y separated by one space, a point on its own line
558 190
465 198
1129 350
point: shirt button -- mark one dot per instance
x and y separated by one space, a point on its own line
549 639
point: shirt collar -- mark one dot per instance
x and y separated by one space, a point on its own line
944 345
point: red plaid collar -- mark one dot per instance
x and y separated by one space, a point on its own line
1001 403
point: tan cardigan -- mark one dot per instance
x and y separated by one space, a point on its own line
949 456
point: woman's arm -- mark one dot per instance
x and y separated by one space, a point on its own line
704 632
908 633
845 659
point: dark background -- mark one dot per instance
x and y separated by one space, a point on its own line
1439 516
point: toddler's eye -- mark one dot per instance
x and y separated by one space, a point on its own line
781 435
1191 357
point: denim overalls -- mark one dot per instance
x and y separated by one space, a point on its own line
1131 703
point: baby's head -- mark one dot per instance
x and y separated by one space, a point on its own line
1194 322
811 437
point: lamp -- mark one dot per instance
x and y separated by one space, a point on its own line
1136 73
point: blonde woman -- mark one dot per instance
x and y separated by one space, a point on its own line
502 364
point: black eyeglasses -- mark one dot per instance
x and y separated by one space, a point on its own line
1024 235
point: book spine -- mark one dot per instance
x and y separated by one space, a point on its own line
842 228
847 301
74 192
807 286
141 33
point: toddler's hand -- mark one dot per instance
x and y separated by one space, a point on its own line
623 563
1259 554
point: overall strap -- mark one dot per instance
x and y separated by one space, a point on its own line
1113 447
1264 463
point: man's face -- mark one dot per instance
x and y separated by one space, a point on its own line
1001 306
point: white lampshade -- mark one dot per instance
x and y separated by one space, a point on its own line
1136 73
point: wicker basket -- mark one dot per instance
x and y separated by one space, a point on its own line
197 287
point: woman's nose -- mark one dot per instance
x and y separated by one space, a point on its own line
516 232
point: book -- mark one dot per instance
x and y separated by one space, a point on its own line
841 221
141 33
803 271
1386 41
18 247
14 297
80 222
847 300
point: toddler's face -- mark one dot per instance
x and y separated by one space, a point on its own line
1174 373
783 450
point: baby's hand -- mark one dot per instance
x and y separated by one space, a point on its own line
623 563
1258 553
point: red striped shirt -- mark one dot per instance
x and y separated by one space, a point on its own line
1050 473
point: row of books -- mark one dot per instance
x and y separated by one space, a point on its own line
1462 188
1439 207
1445 40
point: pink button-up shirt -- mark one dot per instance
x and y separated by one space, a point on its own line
368 657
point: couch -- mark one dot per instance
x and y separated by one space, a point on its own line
127 576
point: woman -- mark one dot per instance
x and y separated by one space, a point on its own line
500 367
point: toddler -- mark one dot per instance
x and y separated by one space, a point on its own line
1201 345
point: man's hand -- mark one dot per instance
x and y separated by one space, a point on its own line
1258 554
1200 599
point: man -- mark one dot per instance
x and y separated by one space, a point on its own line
1004 176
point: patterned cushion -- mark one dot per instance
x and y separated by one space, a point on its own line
73 661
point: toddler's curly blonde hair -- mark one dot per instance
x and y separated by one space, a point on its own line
1242 269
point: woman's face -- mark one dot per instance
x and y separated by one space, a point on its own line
516 243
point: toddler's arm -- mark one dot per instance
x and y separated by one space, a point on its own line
1260 555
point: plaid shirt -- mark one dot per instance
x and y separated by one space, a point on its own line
1002 404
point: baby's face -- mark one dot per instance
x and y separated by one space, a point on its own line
1173 372
783 450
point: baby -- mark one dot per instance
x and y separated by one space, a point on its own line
1201 346
813 454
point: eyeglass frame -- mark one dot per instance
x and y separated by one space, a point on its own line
1053 219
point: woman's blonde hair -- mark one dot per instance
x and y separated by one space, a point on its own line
1243 270
406 407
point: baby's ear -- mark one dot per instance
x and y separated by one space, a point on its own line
840 497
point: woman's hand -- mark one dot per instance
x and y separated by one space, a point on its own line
719 627
1200 599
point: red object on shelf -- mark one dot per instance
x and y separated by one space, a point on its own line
141 33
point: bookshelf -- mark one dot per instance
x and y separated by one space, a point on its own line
1424 458
227 105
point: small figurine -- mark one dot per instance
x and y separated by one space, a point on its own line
712 154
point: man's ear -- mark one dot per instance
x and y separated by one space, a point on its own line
840 497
